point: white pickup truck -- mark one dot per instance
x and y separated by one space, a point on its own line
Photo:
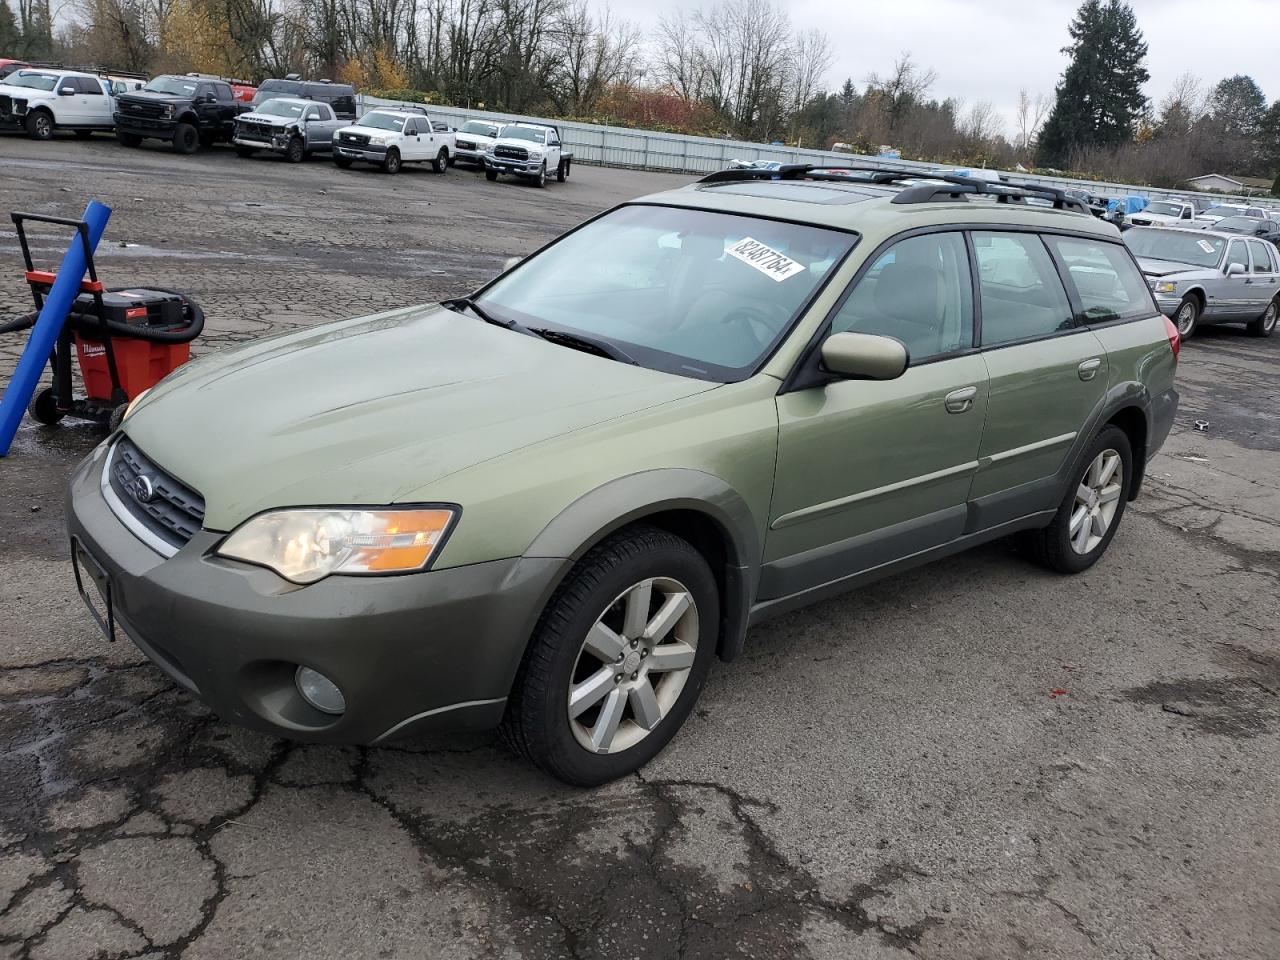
531 150
391 138
1164 213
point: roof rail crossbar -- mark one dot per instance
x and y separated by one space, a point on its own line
1003 192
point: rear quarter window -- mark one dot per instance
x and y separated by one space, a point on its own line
1104 279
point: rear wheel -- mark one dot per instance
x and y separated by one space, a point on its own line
296 152
491 175
1090 514
1187 316
1265 325
562 171
44 409
441 163
128 139
186 139
391 163
40 125
617 659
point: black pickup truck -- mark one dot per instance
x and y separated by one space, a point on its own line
189 112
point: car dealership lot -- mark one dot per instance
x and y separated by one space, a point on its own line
977 759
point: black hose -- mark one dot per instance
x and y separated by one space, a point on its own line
89 326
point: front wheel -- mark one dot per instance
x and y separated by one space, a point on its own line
1090 513
40 125
296 152
441 163
617 659
1186 317
185 139
391 163
542 175
491 175
1265 325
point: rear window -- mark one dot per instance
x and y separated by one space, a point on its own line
1106 282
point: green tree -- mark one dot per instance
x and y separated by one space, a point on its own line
1238 104
1100 99
1269 139
10 36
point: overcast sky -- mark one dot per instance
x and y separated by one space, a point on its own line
989 49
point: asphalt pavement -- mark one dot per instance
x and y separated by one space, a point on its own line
977 759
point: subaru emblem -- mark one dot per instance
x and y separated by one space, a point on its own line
142 489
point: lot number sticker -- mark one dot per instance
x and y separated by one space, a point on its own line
1205 245
765 259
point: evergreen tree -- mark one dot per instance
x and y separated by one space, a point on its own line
1238 104
1099 99
10 35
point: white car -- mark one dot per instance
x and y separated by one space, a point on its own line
1222 211
530 150
391 138
42 101
474 138
1164 213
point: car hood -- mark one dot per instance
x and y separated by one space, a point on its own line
269 118
1163 268
517 142
150 96
369 411
1154 217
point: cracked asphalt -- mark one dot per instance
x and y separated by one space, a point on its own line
974 760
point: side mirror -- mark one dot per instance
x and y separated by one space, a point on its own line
864 356
510 263
67 92
1235 269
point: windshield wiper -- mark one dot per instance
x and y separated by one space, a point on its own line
458 304
579 341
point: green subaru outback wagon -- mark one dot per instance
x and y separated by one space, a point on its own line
549 506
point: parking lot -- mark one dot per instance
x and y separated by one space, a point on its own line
974 760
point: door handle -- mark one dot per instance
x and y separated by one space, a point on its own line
1089 368
958 401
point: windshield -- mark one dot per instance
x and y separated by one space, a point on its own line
1176 246
381 121
699 294
479 129
175 86
1165 209
525 133
36 81
280 108
1237 224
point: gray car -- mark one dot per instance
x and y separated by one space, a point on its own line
1209 276
287 126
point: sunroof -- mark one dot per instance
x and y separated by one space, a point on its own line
792 190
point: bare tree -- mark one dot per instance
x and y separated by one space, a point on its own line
595 53
678 61
810 61
981 123
905 86
1030 118
1182 107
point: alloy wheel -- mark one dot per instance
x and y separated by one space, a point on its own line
1097 499
632 665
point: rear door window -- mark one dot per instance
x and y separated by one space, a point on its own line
1261 257
1021 292
89 86
919 291
1107 284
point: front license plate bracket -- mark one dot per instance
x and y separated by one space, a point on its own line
81 558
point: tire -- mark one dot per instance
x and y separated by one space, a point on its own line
599 591
245 152
441 163
1066 550
391 163
185 139
1186 317
562 170
542 175
117 417
43 408
491 175
128 139
342 163
296 152
83 134
39 125
1265 325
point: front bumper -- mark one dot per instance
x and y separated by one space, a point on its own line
145 126
277 144
424 651
366 152
520 168
462 154
1168 303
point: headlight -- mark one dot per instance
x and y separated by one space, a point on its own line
308 545
377 141
1166 286
128 411
168 110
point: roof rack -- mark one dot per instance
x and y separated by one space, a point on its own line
944 186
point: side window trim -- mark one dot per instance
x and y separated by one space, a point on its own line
1068 285
1077 305
1072 303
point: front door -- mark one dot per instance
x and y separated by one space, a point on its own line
873 471
1227 296
1047 373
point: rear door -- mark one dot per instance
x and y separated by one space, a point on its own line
1048 374
872 471
1263 277
97 105
1228 296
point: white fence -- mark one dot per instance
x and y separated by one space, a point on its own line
676 153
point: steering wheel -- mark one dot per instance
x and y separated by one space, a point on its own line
761 321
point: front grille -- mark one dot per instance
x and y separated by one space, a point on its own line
354 138
19 106
254 131
464 145
136 108
163 504
511 153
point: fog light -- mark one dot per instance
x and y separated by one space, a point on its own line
319 691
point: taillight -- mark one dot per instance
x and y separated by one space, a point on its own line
1175 339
